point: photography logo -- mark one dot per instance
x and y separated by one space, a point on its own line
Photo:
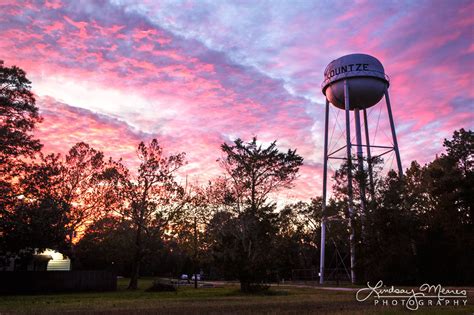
412 299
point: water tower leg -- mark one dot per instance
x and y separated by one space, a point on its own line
349 180
369 155
394 134
323 217
360 166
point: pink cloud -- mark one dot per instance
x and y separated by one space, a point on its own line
63 126
53 4
81 26
133 79
55 26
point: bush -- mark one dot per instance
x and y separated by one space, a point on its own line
254 287
159 286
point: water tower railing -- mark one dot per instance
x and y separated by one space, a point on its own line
389 149
346 75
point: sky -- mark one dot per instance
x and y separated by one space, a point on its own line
196 74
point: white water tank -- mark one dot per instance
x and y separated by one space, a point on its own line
365 77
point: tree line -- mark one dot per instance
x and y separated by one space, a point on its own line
150 221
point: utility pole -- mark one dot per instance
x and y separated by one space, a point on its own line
195 252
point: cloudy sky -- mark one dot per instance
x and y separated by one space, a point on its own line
195 74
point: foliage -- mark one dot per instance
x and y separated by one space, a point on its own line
106 245
296 242
18 116
85 184
388 250
418 228
244 240
256 171
150 199
37 219
447 226
189 225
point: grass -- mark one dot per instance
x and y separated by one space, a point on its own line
223 300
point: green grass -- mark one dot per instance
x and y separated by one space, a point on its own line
227 300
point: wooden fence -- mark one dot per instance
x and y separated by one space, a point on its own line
13 282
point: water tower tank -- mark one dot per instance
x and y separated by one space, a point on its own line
366 80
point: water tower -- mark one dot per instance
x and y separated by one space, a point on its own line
354 83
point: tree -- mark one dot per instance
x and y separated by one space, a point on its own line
361 205
191 221
18 117
448 186
337 234
389 248
297 239
57 198
106 244
150 199
245 242
256 172
37 219
419 227
461 150
85 186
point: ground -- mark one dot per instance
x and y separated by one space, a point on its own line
220 300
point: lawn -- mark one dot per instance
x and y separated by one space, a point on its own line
222 300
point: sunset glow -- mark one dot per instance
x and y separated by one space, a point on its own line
197 74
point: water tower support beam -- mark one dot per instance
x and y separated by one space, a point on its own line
369 155
360 166
349 179
394 134
323 215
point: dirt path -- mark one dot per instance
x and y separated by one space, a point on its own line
286 284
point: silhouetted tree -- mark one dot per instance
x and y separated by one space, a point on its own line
191 221
388 251
256 172
106 244
18 117
246 241
38 218
297 238
150 199
86 184
447 213
418 229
